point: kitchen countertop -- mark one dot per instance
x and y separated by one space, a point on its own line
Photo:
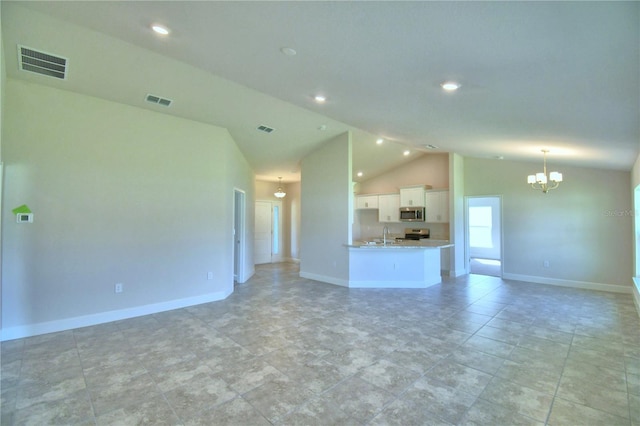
406 244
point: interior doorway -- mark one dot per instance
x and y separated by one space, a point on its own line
239 215
268 232
484 235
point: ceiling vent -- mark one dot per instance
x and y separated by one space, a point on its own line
265 129
158 100
42 63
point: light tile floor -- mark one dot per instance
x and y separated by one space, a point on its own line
284 350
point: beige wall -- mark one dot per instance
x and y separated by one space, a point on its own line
575 227
326 202
119 195
295 215
428 169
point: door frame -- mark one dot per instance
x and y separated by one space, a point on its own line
280 256
467 250
239 235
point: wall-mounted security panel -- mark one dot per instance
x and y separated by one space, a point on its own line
24 217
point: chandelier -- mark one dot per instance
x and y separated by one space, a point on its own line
280 192
541 182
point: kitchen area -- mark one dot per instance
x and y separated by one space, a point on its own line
400 230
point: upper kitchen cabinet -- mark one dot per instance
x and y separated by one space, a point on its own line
366 202
437 208
412 196
389 208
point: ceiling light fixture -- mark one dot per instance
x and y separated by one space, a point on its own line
450 86
320 99
407 152
289 51
360 174
380 141
280 192
162 30
540 181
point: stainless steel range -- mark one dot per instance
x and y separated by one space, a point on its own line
416 233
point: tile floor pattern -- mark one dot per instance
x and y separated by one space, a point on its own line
284 350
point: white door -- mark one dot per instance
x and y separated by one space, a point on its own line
262 243
268 232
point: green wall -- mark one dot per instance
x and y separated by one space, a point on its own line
119 195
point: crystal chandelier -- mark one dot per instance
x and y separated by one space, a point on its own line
541 182
280 192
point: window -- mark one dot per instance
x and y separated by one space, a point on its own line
480 221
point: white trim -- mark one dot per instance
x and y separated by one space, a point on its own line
21 331
636 293
291 260
390 284
614 288
242 219
325 279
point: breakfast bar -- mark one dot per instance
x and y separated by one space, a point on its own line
407 264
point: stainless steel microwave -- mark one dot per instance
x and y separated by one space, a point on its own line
412 214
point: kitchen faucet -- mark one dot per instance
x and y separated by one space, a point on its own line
385 232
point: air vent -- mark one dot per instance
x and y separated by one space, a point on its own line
42 63
265 129
158 100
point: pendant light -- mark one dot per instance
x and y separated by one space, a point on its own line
280 192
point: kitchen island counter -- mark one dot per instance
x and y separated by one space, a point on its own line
401 244
405 264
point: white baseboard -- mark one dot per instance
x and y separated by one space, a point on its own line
636 293
390 284
585 285
325 279
22 331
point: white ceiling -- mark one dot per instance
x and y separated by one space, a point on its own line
563 76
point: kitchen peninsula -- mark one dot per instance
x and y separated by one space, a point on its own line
406 264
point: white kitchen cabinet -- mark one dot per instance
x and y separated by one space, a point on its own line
437 206
366 202
412 196
389 208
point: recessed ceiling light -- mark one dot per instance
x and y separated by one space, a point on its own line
407 152
322 127
289 51
360 174
380 141
450 86
160 29
320 98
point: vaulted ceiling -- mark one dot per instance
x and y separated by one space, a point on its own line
563 76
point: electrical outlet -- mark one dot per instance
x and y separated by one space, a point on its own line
209 275
118 288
